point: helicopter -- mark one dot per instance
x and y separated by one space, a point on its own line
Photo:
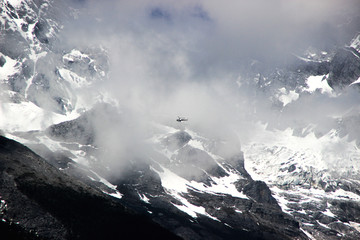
181 119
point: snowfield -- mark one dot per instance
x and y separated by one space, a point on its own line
26 116
8 69
275 153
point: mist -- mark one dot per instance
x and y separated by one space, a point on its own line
187 58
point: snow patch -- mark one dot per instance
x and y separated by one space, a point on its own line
144 198
196 144
329 213
191 209
172 182
115 195
311 195
26 116
308 234
238 211
355 43
3 205
72 78
323 225
355 225
175 186
223 185
318 82
10 68
279 157
280 199
355 82
104 181
15 3
73 55
287 97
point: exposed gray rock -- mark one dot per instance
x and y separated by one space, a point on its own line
344 68
177 140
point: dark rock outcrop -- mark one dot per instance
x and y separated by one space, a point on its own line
258 217
177 140
260 192
84 128
41 202
344 68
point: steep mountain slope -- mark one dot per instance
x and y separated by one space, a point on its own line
310 179
36 70
309 159
96 171
40 202
182 184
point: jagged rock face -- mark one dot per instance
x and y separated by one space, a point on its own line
83 130
36 67
145 188
258 217
260 192
345 67
337 68
325 218
191 163
255 215
79 130
311 67
323 198
318 184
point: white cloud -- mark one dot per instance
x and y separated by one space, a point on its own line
171 58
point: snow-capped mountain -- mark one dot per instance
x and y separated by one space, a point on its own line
310 162
95 168
35 70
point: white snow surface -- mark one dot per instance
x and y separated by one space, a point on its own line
26 116
268 156
144 198
74 54
116 193
177 186
15 3
224 185
9 68
318 83
286 96
308 234
355 225
355 43
73 79
355 82
279 158
313 195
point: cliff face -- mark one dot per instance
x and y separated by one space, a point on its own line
41 202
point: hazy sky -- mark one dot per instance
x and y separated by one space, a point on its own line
171 58
157 46
202 38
